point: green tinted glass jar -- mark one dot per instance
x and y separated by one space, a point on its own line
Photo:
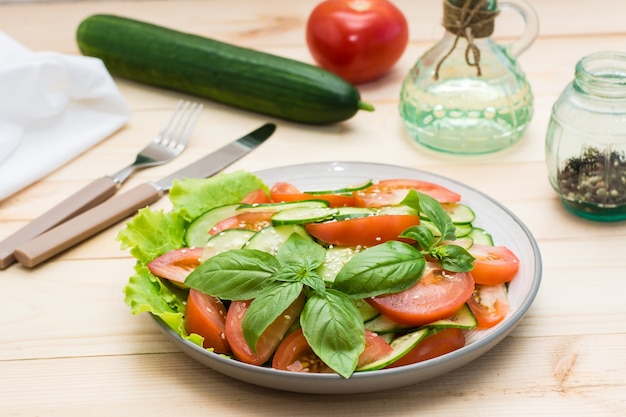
586 139
467 94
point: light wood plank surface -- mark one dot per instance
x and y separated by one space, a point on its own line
69 346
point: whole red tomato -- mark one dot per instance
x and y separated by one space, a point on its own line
359 40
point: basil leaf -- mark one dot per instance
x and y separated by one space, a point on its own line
422 235
301 251
333 327
290 273
454 258
390 267
299 273
314 281
437 215
237 274
268 307
412 199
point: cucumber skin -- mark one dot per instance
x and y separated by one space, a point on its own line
229 74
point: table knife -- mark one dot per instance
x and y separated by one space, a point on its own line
89 196
108 213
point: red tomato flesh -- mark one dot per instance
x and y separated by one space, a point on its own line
363 231
437 295
490 305
205 315
434 345
358 40
285 192
269 340
493 264
390 192
295 354
256 197
176 264
252 220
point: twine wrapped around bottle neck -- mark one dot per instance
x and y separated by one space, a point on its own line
470 23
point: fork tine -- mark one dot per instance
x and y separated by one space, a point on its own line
182 120
162 137
187 126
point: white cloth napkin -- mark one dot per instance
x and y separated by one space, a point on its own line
52 108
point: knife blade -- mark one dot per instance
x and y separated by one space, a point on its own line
97 219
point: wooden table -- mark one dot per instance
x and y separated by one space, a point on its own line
69 346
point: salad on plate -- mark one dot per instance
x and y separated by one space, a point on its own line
369 276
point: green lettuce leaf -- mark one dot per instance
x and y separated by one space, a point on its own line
152 233
192 197
146 293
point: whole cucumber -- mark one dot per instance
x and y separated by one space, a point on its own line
240 77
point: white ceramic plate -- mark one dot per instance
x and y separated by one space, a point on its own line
506 230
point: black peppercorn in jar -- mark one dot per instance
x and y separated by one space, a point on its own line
586 139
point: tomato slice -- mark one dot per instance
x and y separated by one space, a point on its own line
490 305
283 188
364 231
437 344
258 196
295 354
252 220
205 315
493 264
390 192
269 340
437 295
375 348
176 264
286 192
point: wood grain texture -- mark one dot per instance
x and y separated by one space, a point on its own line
69 346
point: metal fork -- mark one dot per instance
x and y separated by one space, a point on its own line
167 145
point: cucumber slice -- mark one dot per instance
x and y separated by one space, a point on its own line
367 311
389 337
397 209
197 234
464 242
384 325
461 230
271 238
347 213
345 190
301 215
480 236
282 206
401 346
226 240
462 319
336 258
459 213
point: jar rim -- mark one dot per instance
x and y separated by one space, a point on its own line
604 72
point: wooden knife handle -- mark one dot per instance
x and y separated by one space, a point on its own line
85 225
89 196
